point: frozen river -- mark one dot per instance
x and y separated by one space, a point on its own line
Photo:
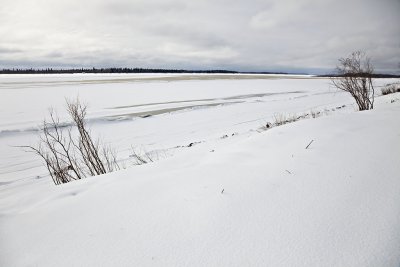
150 111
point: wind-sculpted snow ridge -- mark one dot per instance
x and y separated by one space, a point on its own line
243 200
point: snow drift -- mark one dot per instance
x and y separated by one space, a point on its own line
257 199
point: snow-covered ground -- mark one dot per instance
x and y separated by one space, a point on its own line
240 196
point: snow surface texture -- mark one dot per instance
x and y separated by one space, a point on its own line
254 198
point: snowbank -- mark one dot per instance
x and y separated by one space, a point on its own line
247 200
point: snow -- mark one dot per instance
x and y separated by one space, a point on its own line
254 198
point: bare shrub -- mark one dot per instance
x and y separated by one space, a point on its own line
281 119
55 149
141 157
315 114
69 158
355 76
390 88
98 159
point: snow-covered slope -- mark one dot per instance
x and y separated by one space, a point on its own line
254 199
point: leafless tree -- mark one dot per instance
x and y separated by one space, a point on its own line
355 76
67 157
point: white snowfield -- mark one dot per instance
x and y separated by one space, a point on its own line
252 198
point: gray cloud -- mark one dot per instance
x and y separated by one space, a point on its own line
306 35
6 50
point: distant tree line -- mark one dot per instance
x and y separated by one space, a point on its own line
106 70
120 70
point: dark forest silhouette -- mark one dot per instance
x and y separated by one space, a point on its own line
119 70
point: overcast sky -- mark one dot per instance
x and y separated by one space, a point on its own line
253 35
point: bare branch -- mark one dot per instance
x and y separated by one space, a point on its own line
355 77
67 158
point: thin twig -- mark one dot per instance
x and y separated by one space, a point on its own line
309 144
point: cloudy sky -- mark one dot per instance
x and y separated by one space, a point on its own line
253 35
